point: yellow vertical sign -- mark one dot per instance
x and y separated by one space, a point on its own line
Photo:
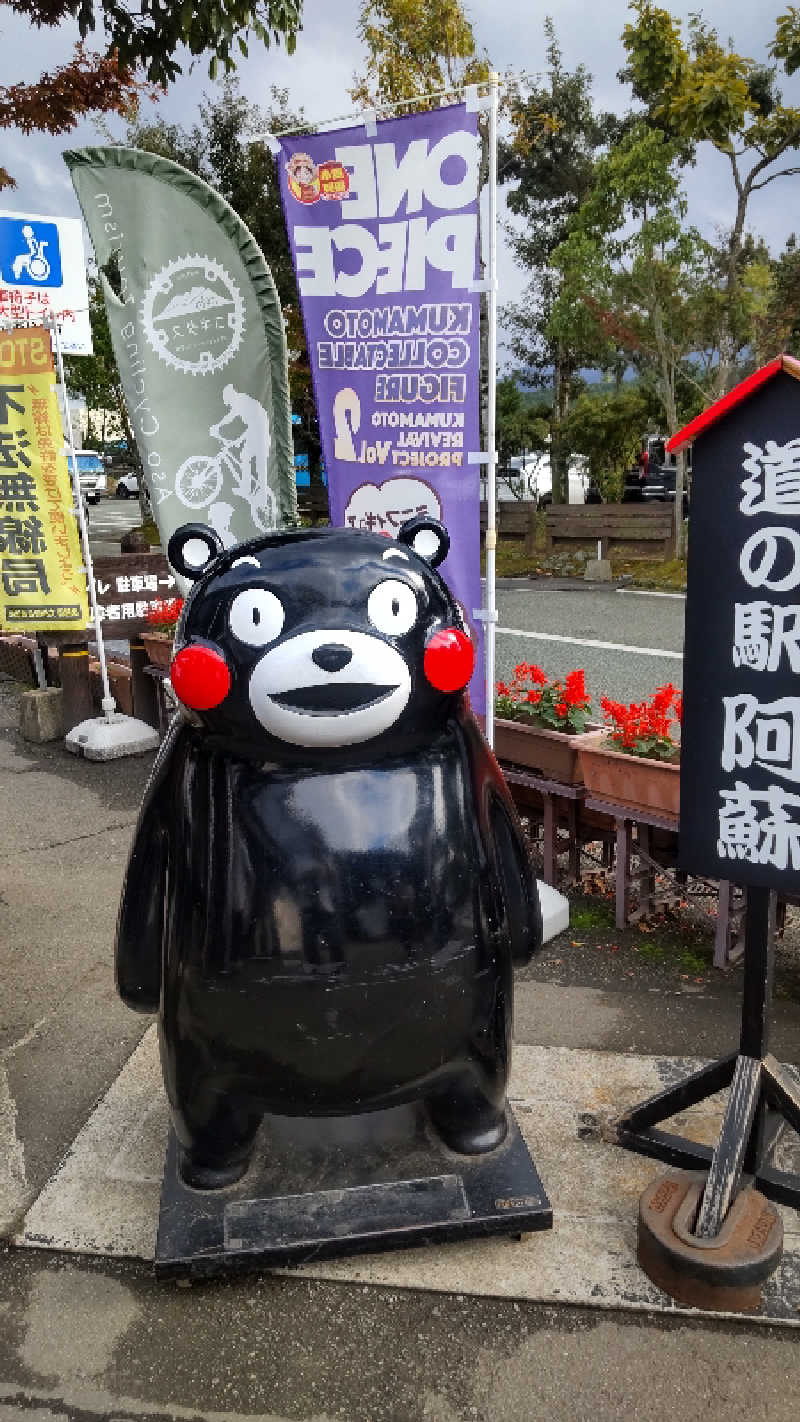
42 584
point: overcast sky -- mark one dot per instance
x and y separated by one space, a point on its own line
328 53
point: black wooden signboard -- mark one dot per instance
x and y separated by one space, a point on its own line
740 755
128 586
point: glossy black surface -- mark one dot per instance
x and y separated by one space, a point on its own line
321 1188
328 883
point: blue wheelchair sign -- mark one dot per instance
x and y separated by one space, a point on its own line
30 254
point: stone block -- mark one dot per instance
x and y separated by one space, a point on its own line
597 570
41 715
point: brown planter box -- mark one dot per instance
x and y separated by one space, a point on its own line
553 754
158 649
629 779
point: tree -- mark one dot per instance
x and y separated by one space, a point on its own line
416 47
776 302
520 430
139 43
634 273
697 92
96 377
606 429
556 138
87 84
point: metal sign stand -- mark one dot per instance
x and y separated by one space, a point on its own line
112 735
763 1098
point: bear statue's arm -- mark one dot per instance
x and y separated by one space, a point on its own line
137 954
504 846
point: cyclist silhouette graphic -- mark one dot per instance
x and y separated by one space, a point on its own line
34 261
244 436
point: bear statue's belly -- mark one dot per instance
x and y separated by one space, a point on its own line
346 958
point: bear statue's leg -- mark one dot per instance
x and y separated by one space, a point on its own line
216 1132
470 1119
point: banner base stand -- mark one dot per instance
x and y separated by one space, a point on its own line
324 1187
111 737
763 1098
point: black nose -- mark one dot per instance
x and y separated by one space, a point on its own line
332 657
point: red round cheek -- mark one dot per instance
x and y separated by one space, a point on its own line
449 660
200 678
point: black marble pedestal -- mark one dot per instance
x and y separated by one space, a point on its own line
317 1188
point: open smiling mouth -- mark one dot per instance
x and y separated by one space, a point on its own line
333 699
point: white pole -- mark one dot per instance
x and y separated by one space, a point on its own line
109 704
491 404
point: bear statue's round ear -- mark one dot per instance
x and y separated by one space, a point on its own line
192 549
428 538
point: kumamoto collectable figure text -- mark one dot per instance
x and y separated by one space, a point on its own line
328 884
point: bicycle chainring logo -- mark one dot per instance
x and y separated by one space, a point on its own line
193 315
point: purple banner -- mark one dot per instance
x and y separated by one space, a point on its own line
384 236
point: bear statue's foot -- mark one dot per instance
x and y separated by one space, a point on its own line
200 1175
203 1175
466 1121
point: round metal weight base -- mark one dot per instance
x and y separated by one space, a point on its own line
724 1273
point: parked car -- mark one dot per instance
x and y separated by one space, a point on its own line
530 478
128 485
91 474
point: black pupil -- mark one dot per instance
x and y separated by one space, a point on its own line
395 606
256 616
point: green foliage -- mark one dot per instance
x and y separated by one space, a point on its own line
415 47
786 45
698 90
519 428
96 377
146 37
589 914
636 278
607 430
556 139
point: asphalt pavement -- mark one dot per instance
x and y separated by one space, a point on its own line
642 633
108 520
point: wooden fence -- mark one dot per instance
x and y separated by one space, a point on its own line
515 519
630 530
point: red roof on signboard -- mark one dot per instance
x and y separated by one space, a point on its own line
734 397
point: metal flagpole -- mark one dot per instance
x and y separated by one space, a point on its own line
109 704
491 416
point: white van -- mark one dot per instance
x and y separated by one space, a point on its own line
529 477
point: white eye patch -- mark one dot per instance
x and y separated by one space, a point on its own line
196 553
392 608
256 617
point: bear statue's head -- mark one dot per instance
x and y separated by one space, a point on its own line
304 642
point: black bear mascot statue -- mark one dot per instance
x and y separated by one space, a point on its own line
328 884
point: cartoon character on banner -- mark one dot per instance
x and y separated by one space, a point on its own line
328 884
303 178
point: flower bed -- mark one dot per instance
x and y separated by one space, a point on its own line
540 722
162 620
635 761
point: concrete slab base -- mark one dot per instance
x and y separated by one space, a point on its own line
41 716
111 737
104 1199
